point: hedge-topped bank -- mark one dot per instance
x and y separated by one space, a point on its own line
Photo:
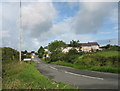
103 61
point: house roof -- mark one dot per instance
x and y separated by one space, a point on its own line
89 44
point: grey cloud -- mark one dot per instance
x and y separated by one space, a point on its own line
38 28
113 41
38 18
91 17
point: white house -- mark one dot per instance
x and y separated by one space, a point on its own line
86 47
65 50
46 55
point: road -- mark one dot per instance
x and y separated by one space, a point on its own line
79 78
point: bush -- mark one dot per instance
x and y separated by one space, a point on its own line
56 55
9 54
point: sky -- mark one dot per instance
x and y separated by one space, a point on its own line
44 22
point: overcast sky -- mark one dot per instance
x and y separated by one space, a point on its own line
43 22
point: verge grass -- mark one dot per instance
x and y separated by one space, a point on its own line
93 61
20 75
107 53
92 68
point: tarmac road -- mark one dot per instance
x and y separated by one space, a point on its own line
79 78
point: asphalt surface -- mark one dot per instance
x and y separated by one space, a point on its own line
79 78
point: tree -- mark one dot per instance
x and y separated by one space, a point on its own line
56 45
41 52
57 55
24 52
74 43
73 51
32 51
71 55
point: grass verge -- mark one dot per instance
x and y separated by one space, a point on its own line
93 68
20 75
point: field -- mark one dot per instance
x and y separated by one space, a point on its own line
103 61
20 75
107 53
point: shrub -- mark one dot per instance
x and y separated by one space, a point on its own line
9 54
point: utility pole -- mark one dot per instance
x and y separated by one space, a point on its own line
20 34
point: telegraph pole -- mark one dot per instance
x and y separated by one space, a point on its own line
20 34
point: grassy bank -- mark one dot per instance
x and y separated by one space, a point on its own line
103 61
20 75
93 68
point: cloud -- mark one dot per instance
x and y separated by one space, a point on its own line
115 28
91 17
113 41
5 33
114 14
105 32
39 29
38 18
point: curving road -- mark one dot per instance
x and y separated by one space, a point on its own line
79 78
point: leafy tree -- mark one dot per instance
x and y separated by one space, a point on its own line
24 52
73 51
56 45
57 55
71 55
32 51
74 43
41 52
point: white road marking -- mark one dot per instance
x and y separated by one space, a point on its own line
53 68
84 75
78 74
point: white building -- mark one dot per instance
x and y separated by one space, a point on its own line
86 47
65 50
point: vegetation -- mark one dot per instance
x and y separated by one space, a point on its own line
20 75
111 47
106 60
56 45
25 76
8 55
102 58
74 43
93 68
41 52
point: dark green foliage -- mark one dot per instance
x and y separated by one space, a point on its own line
56 45
59 55
56 55
111 47
41 52
74 43
100 59
40 55
71 55
24 52
9 54
32 51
